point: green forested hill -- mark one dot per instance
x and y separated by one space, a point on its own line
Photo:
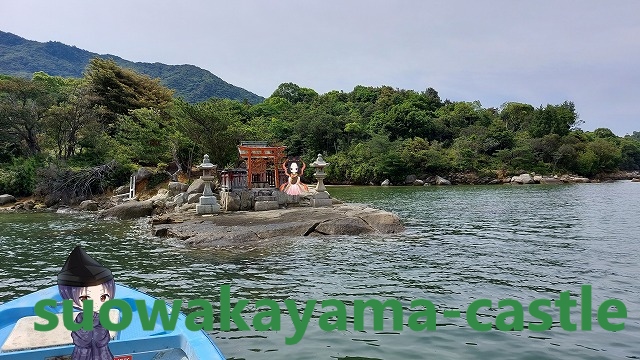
22 57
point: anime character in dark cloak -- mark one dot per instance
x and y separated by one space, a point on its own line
83 278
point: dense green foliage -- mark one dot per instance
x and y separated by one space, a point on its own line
21 57
94 130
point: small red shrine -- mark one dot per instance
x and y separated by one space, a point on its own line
263 164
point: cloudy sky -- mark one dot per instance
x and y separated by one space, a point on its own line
537 52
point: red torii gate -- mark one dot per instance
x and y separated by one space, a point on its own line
263 162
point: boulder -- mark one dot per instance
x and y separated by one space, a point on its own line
344 226
550 180
7 199
410 179
418 182
88 205
537 179
29 205
130 210
162 195
177 187
143 174
383 222
635 180
197 186
441 181
386 182
522 179
121 190
194 198
180 199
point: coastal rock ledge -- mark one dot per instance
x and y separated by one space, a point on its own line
243 227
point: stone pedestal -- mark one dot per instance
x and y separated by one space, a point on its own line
321 199
208 204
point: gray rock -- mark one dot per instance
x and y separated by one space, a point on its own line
197 186
7 199
121 190
88 205
383 222
194 198
266 205
522 179
550 180
410 179
143 174
635 180
177 187
186 207
418 182
442 181
386 182
180 199
344 226
130 210
162 195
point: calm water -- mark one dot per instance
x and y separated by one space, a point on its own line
462 243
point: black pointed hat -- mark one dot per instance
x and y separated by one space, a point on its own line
82 270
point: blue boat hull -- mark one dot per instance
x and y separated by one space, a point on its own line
131 343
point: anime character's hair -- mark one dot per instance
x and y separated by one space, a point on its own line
73 292
297 161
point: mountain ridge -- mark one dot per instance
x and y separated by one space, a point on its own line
23 57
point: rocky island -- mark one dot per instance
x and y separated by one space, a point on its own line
242 227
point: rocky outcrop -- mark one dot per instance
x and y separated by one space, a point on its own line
344 226
409 180
7 199
441 181
386 182
241 228
88 205
635 180
130 210
522 179
550 180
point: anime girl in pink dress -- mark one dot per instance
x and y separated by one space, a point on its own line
293 186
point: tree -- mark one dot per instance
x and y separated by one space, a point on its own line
554 119
121 90
212 128
23 104
294 93
145 137
65 122
516 116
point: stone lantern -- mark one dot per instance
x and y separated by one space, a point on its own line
208 204
321 197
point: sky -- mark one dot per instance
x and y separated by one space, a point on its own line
537 52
